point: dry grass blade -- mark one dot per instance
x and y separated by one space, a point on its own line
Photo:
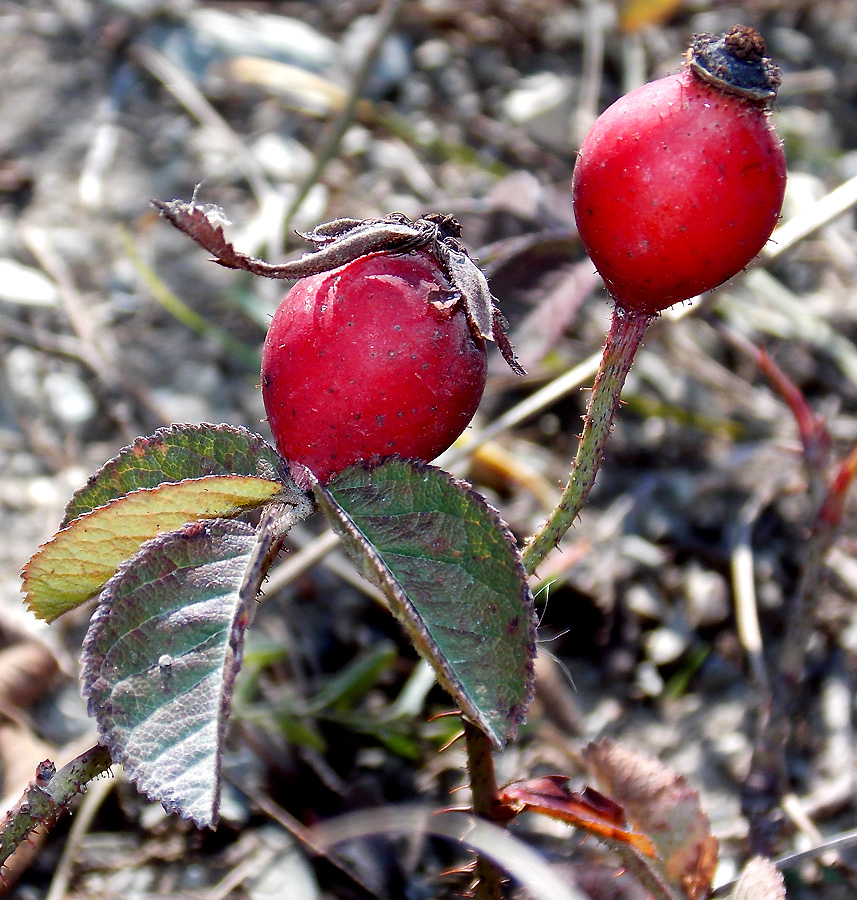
515 857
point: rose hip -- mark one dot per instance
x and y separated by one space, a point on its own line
679 183
371 359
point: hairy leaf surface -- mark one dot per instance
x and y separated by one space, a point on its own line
161 656
174 454
77 562
453 577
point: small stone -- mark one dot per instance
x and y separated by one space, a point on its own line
665 645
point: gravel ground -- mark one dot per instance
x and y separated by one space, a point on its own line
111 325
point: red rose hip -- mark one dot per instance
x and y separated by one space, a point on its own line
679 183
368 360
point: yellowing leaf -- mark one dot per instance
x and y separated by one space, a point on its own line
177 453
79 560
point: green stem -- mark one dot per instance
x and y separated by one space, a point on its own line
48 794
623 340
483 788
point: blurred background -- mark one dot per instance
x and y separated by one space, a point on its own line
112 324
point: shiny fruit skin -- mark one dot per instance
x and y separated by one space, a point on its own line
364 362
677 188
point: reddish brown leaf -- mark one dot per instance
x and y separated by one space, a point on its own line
663 806
593 812
608 809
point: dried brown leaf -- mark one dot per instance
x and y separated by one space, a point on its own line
590 810
27 670
344 240
664 806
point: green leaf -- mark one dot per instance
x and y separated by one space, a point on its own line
161 656
175 454
77 562
453 576
348 685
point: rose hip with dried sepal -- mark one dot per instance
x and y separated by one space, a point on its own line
372 359
379 349
679 183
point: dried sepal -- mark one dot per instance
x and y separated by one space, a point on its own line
341 241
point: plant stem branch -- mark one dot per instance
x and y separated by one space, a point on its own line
623 340
767 779
645 873
483 788
48 794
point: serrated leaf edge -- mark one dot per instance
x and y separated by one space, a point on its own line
165 433
119 753
413 622
75 523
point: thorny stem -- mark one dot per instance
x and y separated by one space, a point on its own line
623 340
47 795
483 788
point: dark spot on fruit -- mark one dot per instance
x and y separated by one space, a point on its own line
379 420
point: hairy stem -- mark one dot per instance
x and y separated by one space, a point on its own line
623 340
483 787
48 794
